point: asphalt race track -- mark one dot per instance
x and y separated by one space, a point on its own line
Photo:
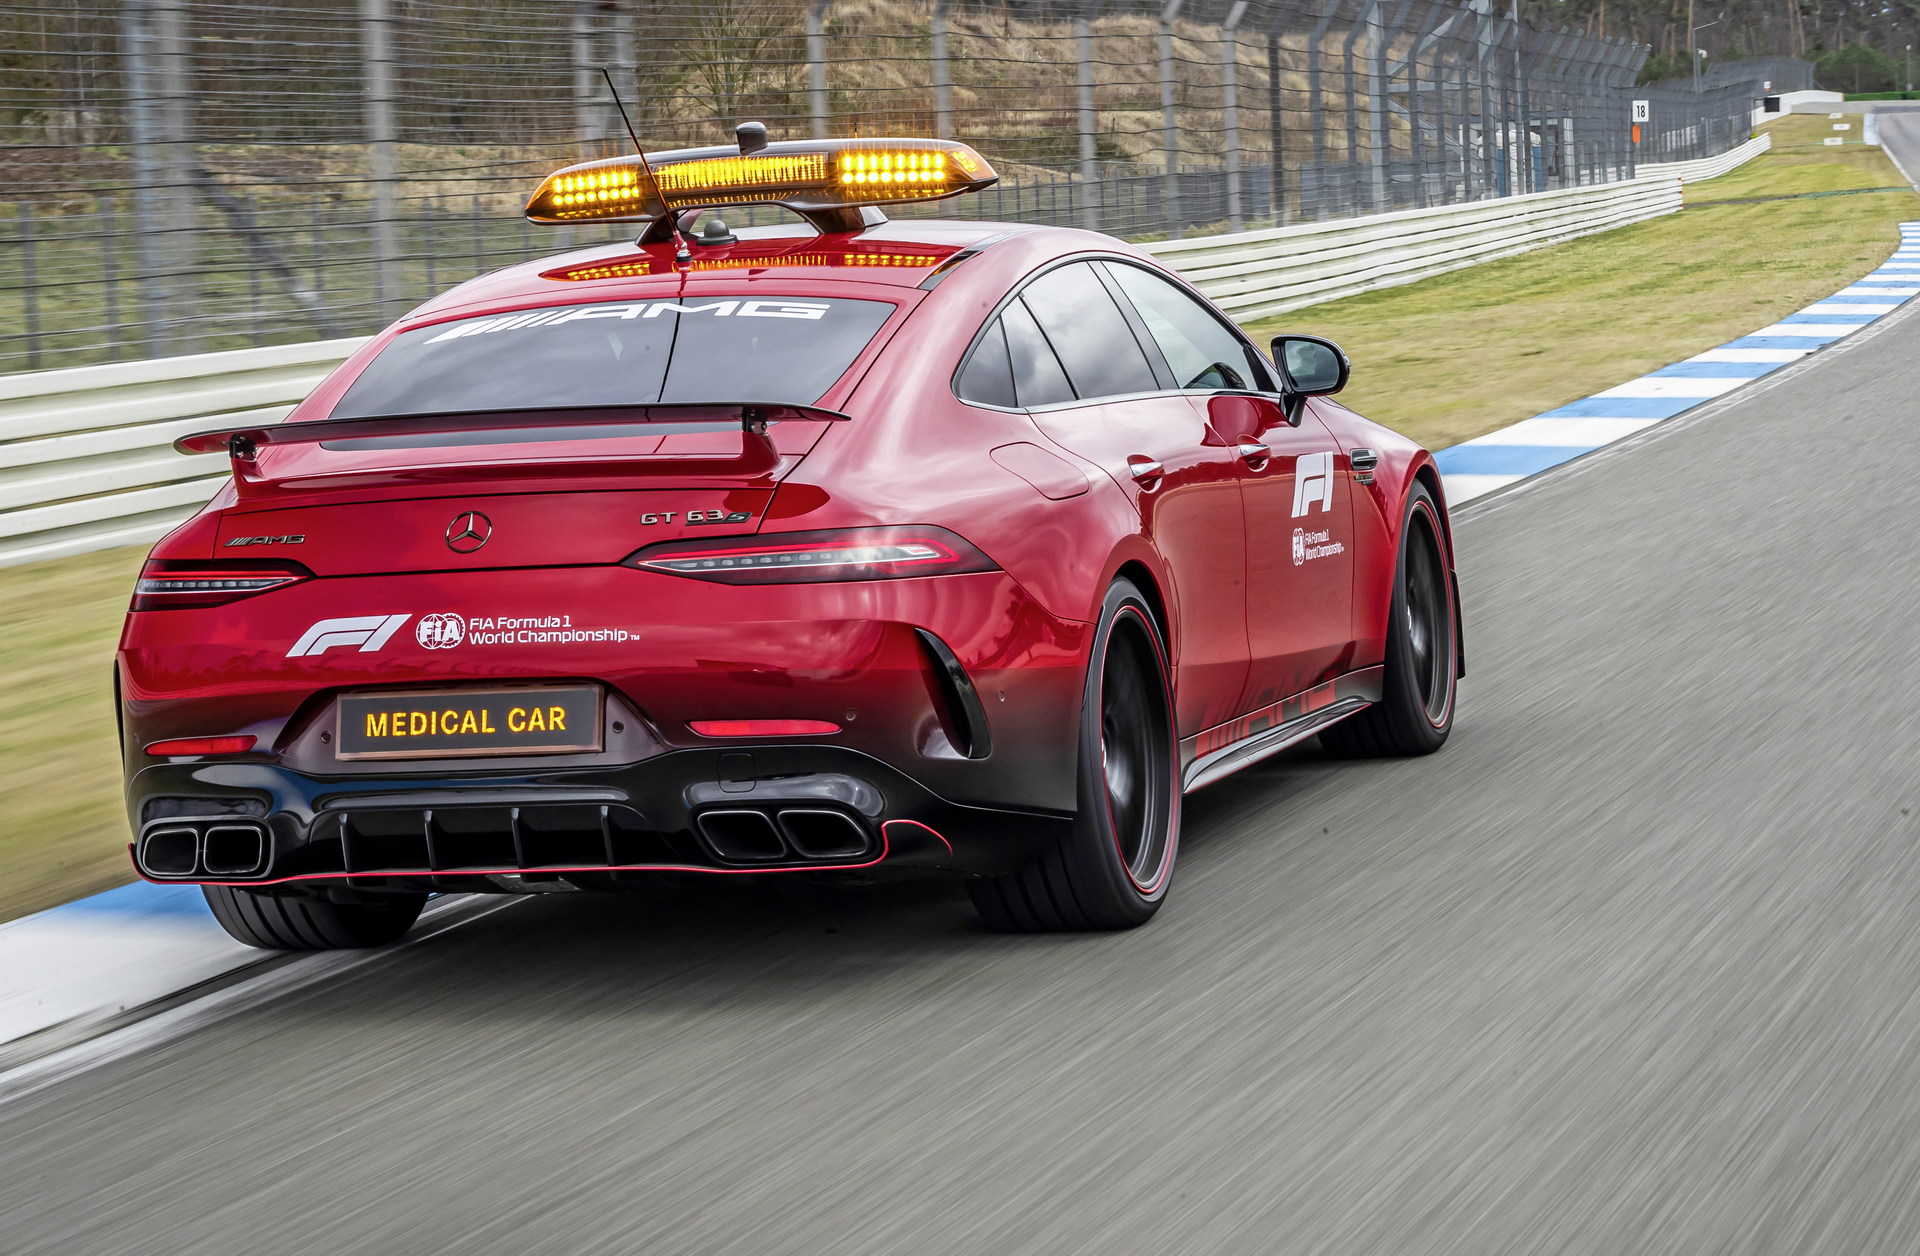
1633 965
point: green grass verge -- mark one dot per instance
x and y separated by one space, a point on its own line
1450 358
63 830
1444 360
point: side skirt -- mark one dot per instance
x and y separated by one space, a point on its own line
1223 750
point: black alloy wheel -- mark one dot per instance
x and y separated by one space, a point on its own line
1415 711
1112 871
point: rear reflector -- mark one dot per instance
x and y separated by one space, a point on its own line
816 557
762 728
184 586
201 745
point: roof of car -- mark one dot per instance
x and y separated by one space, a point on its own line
897 254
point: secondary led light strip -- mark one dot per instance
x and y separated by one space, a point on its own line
865 555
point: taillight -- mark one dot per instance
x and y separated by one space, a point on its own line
201 745
763 728
816 557
173 585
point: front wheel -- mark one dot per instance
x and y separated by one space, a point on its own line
275 923
1112 870
1415 711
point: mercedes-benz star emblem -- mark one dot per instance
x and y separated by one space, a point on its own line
468 532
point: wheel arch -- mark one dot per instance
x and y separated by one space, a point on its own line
1429 475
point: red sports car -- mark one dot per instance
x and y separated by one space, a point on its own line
844 546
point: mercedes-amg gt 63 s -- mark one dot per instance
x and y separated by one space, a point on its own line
846 548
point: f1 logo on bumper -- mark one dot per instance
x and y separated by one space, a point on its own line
369 632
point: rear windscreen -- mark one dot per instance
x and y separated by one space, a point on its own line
774 349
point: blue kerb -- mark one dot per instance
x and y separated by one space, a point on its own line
1623 408
1716 370
1505 459
143 898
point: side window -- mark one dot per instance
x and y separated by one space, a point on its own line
1202 352
987 378
1088 331
1037 377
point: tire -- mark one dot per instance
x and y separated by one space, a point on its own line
310 924
1415 711
1111 871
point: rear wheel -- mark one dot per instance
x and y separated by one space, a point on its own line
1112 870
310 924
1415 711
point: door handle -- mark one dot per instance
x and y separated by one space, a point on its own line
1145 470
1252 452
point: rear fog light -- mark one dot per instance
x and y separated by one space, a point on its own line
201 745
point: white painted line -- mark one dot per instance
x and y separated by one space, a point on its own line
1750 355
1852 307
1573 433
1878 288
1649 386
1817 330
62 964
1463 488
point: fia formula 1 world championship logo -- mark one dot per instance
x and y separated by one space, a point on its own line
440 632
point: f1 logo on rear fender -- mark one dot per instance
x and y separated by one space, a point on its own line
1312 482
369 632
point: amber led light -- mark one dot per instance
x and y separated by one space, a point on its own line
804 175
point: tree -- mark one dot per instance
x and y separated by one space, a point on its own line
1856 68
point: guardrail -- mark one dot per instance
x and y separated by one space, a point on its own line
86 459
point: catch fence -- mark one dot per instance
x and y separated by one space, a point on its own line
193 175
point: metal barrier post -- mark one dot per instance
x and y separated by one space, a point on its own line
376 34
1376 105
176 157
817 66
1276 132
1230 101
1169 131
136 37
942 74
1089 121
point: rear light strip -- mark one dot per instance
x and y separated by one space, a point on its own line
165 585
890 553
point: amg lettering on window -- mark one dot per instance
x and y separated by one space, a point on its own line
771 307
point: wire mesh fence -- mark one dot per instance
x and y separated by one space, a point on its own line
189 175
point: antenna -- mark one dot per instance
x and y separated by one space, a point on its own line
646 168
615 93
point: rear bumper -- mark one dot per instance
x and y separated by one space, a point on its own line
760 808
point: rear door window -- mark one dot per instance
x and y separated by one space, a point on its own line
987 378
1089 333
628 353
1201 350
1037 377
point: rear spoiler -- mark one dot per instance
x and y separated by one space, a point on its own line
757 453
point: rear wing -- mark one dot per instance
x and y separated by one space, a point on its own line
757 454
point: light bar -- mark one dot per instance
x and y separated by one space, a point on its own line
803 175
631 267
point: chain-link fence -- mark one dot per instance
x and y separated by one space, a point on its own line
187 175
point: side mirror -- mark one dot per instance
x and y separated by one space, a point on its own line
1310 366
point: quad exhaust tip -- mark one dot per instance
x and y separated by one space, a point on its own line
213 848
748 835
